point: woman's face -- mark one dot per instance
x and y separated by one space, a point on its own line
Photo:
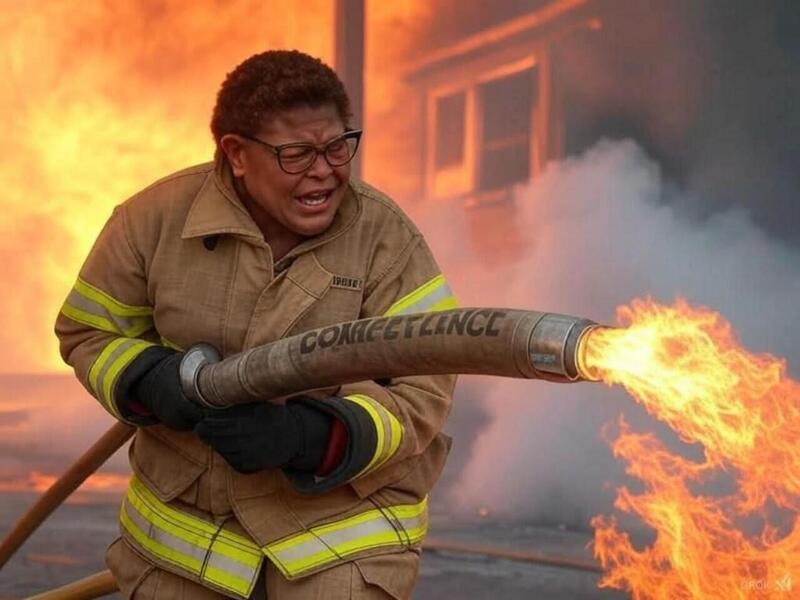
303 204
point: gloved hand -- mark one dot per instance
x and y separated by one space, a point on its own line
262 435
159 391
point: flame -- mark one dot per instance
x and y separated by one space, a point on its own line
98 102
686 367
394 31
102 98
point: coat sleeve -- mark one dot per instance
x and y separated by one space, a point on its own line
106 322
389 421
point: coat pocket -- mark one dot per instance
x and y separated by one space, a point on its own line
167 462
129 569
395 574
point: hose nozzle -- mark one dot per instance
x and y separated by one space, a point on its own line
557 346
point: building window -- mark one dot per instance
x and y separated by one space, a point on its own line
505 149
449 130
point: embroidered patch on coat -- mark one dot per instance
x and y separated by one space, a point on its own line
346 283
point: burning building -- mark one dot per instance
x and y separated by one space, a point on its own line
481 110
492 112
464 105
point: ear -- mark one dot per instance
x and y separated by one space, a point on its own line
234 150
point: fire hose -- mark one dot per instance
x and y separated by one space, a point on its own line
488 341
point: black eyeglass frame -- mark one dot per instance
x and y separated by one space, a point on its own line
318 149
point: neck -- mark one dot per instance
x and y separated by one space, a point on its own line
280 239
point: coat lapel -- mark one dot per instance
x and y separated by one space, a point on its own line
287 298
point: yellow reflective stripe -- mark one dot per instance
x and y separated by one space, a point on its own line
444 304
190 522
108 365
230 582
192 555
227 539
388 428
388 526
170 344
156 548
430 296
379 428
91 306
86 318
237 548
112 304
215 555
232 562
199 527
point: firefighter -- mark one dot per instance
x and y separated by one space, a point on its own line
323 495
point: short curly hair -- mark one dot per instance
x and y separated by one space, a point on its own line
270 82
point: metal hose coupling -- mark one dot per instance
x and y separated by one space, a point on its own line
557 346
197 357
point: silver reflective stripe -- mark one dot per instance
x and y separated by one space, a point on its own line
194 546
164 537
431 296
111 368
394 526
130 326
308 548
229 565
427 301
333 539
411 524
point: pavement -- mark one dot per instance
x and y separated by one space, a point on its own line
71 543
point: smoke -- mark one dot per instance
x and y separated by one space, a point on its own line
702 205
710 89
594 232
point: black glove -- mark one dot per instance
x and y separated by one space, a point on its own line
262 435
159 389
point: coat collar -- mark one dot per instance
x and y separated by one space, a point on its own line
217 209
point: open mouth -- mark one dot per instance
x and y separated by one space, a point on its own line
315 199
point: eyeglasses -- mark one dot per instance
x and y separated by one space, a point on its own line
298 157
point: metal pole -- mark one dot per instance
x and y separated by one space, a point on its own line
349 60
92 459
438 545
94 586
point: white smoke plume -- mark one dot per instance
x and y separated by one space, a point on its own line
595 232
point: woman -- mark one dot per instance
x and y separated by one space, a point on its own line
324 495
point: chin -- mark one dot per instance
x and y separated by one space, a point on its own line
310 227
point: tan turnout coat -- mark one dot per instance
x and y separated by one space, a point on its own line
183 262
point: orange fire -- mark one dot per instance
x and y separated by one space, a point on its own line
686 367
100 99
98 486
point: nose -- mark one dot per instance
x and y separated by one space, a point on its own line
320 169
